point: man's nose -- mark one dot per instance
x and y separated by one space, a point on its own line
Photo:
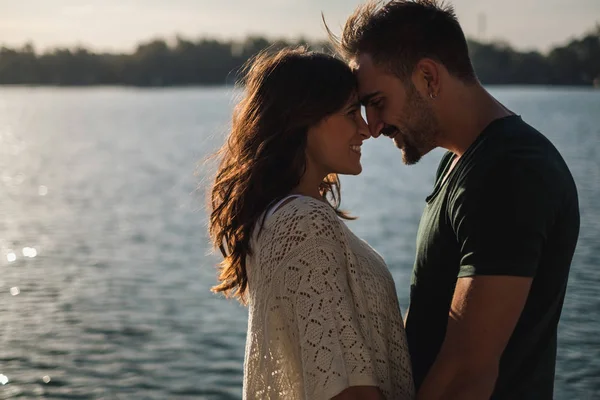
375 125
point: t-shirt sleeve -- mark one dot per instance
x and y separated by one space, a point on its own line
334 349
501 220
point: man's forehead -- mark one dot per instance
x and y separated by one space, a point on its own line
361 63
366 75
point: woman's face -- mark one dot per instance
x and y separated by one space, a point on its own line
334 144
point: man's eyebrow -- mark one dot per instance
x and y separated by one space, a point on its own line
364 100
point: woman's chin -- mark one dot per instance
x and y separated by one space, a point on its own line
355 170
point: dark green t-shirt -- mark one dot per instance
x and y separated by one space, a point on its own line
509 207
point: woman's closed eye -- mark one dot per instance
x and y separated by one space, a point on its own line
352 112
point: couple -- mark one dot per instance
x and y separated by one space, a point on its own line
494 244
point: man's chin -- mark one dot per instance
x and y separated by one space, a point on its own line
398 144
410 161
410 155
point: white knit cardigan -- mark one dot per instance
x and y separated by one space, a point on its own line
323 311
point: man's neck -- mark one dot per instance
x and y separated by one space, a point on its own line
467 115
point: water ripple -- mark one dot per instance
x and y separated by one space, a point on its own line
105 264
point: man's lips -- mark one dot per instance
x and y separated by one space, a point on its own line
389 131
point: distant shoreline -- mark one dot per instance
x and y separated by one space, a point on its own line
209 62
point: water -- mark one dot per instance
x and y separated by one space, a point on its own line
105 267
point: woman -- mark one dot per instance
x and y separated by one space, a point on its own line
324 320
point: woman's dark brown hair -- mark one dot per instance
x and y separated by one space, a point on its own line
263 158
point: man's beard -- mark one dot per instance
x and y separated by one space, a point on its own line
419 134
411 154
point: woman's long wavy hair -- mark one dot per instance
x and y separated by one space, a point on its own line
263 158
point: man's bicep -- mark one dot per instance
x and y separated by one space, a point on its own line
483 315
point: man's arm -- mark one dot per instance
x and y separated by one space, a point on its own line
483 315
501 221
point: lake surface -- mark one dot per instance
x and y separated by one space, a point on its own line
105 266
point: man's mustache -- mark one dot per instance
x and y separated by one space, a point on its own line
389 130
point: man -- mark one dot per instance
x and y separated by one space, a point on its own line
499 230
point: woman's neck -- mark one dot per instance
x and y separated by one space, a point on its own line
309 183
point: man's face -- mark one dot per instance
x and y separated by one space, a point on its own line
396 109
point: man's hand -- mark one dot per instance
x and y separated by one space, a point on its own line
483 315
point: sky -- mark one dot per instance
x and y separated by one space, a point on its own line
119 25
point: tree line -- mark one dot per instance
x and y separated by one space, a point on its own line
217 62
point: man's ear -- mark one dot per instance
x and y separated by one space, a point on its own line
426 78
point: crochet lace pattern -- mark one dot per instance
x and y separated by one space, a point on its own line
323 311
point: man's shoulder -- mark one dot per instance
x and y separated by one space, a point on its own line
517 166
514 150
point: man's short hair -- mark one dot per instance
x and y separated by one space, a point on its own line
399 33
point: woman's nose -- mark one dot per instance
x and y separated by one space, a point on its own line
363 128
